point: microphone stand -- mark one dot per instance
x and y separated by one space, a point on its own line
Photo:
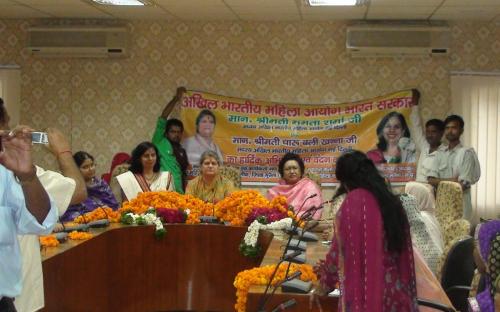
306 214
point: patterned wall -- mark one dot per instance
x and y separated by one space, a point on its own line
110 105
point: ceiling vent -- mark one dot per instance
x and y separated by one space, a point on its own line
78 41
393 39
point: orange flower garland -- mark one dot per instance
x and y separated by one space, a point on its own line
236 207
48 240
260 276
168 200
99 213
75 235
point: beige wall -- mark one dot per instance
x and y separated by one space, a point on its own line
110 105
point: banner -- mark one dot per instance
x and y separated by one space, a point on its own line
254 135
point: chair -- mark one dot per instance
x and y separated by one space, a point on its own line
232 173
456 229
313 176
435 305
118 159
457 272
449 203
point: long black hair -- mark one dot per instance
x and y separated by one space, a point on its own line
355 170
135 160
382 143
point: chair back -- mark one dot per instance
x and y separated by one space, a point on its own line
456 229
449 203
231 173
118 159
313 176
457 272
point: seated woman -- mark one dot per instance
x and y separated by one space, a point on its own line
487 258
99 192
420 234
371 256
301 192
144 173
210 186
426 204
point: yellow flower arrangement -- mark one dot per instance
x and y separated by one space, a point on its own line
260 276
48 240
99 213
236 207
168 200
75 235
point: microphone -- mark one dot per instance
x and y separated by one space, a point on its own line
305 201
80 227
285 305
100 223
292 276
290 256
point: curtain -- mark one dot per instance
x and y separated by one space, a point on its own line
477 99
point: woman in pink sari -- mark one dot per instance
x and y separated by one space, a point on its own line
301 193
371 257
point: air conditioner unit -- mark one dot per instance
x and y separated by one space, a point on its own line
78 41
391 40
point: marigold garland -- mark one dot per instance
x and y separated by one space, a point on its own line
99 213
260 276
168 200
48 240
75 235
236 207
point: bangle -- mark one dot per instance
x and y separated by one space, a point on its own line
67 151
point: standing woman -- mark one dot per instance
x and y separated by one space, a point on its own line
98 191
144 173
371 255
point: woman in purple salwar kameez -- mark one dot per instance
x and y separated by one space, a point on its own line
99 192
487 257
371 258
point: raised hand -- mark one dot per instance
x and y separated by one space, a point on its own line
16 151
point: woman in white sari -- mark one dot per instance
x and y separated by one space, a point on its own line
144 174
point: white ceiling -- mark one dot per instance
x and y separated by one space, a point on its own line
258 10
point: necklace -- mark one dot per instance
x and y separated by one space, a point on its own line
151 178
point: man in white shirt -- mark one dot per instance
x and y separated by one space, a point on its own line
428 142
64 189
25 208
459 163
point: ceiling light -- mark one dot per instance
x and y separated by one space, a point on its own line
334 2
120 2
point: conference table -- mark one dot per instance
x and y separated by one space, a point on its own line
191 268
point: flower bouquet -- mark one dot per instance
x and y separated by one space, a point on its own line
147 218
172 215
261 275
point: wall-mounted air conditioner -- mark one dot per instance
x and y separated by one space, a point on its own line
393 39
78 41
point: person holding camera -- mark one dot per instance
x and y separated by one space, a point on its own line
25 208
